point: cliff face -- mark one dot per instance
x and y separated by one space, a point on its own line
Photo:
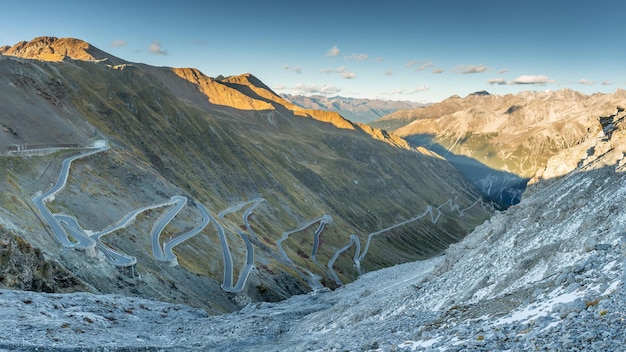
23 267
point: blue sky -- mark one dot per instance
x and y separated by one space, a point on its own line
420 51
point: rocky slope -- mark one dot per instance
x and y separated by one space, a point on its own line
502 141
25 268
547 274
219 142
353 109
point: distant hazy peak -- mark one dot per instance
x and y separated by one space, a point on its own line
354 109
58 49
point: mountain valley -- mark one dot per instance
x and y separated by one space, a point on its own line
157 208
220 143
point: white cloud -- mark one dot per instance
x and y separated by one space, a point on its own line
326 70
357 57
503 71
334 51
379 59
425 65
466 69
419 65
118 43
531 79
585 81
499 81
410 91
389 72
606 83
341 69
156 48
348 75
437 70
280 87
301 88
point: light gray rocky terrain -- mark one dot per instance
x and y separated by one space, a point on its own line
547 274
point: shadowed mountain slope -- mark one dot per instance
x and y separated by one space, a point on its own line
218 142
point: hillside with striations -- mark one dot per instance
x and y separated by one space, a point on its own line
547 274
263 199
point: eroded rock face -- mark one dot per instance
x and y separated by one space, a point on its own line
24 267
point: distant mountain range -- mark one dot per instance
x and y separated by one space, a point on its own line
353 109
500 142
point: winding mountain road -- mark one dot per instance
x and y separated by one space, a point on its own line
69 232
40 200
168 246
359 257
228 260
312 278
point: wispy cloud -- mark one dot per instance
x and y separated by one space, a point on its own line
118 43
326 70
348 75
503 71
531 79
302 88
437 70
379 59
341 69
334 51
424 66
606 83
389 72
410 91
296 69
523 79
156 48
585 81
410 64
498 81
200 42
467 69
357 57
419 65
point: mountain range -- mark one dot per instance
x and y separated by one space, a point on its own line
98 151
157 208
353 109
502 142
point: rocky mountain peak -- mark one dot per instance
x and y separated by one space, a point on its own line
58 49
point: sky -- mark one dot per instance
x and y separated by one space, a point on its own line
423 51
